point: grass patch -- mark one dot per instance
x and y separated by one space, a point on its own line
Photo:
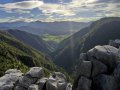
57 39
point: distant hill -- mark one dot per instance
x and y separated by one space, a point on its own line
51 32
40 28
98 33
31 40
14 54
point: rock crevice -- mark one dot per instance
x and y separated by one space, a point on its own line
33 80
103 68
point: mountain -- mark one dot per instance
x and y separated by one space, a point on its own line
40 28
14 54
8 25
98 33
31 40
51 32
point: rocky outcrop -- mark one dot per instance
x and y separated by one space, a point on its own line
99 68
84 83
33 80
8 81
115 43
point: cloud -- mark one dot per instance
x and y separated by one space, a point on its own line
47 8
56 9
19 11
104 1
72 10
24 0
22 5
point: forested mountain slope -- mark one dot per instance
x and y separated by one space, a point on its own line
14 54
31 40
99 33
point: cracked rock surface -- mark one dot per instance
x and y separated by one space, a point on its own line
99 68
33 80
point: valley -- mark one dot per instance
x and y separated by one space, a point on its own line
51 32
98 33
59 44
22 49
64 49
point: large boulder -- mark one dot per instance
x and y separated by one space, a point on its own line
14 72
26 81
115 43
116 72
9 79
84 69
33 87
41 83
105 82
59 76
83 57
20 88
84 84
69 86
98 68
105 54
33 80
51 84
30 77
35 72
61 85
57 81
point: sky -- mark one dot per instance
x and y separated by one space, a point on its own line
57 10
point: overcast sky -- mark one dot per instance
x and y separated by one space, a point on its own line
57 10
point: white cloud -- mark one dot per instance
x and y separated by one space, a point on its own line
73 10
21 11
22 5
56 9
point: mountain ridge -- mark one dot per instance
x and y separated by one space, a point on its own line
68 55
31 40
14 54
40 28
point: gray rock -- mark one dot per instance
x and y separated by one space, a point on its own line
116 72
83 57
13 71
9 79
76 70
98 68
105 54
20 88
59 75
35 72
30 77
6 87
105 82
69 86
41 83
61 85
51 84
32 80
56 82
84 84
95 64
26 81
115 43
33 87
84 69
